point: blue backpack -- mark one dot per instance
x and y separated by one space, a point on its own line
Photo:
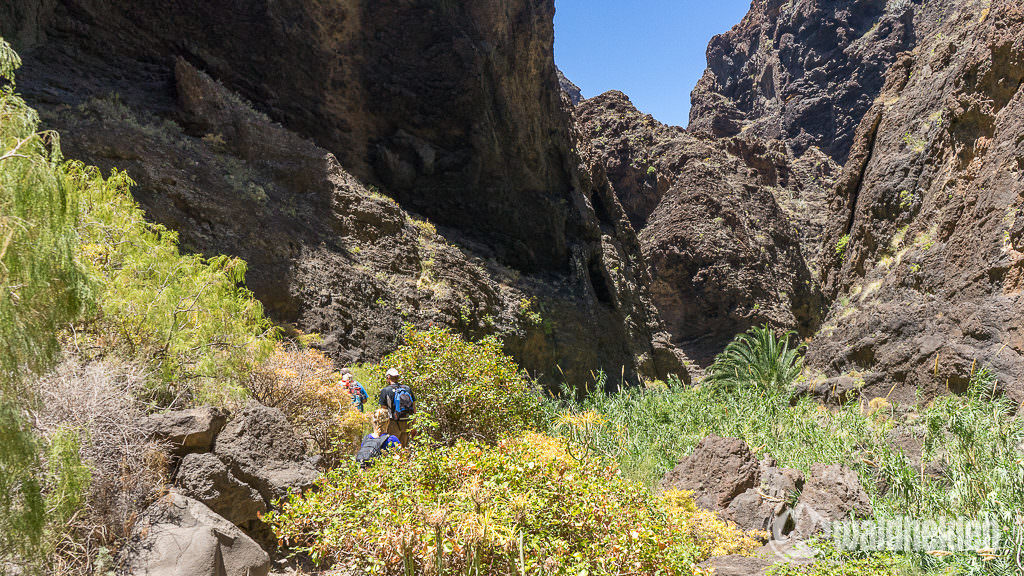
402 402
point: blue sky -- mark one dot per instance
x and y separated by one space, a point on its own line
653 50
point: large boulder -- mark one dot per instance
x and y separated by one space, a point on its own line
766 507
262 449
207 479
726 478
718 470
833 493
179 536
187 431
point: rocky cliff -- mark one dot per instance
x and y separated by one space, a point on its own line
453 110
724 256
928 287
802 71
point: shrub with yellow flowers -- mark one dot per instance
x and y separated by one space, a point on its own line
303 383
522 507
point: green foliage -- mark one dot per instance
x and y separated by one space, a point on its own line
529 313
41 289
758 358
976 437
837 564
463 389
186 316
68 476
651 170
521 507
841 245
9 61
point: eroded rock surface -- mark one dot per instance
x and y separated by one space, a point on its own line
928 288
724 256
453 110
262 449
207 479
186 431
725 477
802 71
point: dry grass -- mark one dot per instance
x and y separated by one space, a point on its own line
128 470
303 383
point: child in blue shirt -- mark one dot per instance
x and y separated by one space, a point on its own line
355 389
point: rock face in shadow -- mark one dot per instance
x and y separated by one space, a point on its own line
723 254
929 286
451 111
801 71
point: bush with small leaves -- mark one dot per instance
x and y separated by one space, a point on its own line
463 389
523 506
303 383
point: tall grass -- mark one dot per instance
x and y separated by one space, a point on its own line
976 438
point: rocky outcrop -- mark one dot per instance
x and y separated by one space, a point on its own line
803 71
927 288
178 535
448 110
724 256
206 478
262 448
185 431
717 471
759 495
572 91
833 492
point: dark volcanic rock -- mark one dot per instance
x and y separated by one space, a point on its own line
569 89
832 493
718 470
929 286
178 535
263 450
802 71
207 479
726 478
723 255
452 109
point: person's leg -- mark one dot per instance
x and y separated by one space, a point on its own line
394 429
403 436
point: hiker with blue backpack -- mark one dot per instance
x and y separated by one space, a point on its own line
401 405
377 442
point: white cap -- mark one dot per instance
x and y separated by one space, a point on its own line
392 372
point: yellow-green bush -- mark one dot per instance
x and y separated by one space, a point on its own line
463 389
521 507
41 289
186 316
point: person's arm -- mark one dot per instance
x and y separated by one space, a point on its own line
362 392
383 399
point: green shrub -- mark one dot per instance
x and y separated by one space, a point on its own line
463 389
41 289
841 245
521 507
758 358
187 317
